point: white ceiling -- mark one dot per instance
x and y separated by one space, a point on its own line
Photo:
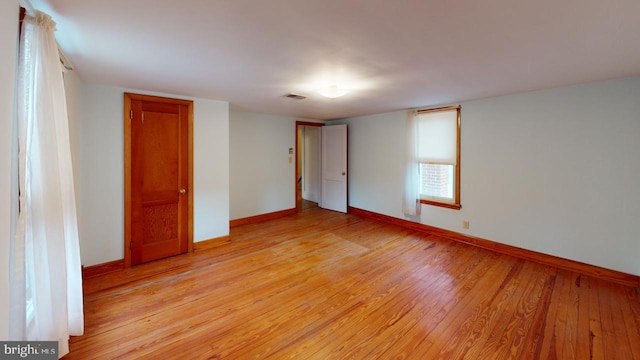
392 54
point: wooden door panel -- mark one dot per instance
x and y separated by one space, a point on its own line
161 182
159 171
160 223
160 166
161 231
160 107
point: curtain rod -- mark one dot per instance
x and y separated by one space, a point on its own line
63 57
27 5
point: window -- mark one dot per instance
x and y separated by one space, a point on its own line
439 156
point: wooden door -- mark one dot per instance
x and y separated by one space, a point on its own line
157 178
334 168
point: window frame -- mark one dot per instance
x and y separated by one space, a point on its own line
455 204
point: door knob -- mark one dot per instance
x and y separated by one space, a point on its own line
182 191
344 173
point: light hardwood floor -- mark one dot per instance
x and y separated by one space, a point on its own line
324 285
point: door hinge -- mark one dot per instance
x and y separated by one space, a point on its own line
131 245
131 115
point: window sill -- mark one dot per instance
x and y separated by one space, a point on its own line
444 205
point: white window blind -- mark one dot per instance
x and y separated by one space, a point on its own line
437 131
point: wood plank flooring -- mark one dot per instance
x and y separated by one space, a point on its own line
325 285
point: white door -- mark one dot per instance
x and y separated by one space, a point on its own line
334 168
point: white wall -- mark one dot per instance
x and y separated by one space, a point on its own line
74 88
9 11
376 161
211 169
554 171
262 178
100 177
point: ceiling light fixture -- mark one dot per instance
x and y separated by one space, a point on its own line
332 91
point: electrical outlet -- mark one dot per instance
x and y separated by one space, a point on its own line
465 224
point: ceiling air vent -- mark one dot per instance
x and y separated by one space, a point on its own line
295 96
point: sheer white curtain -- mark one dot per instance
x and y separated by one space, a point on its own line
46 282
411 200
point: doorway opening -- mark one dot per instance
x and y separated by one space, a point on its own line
308 150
